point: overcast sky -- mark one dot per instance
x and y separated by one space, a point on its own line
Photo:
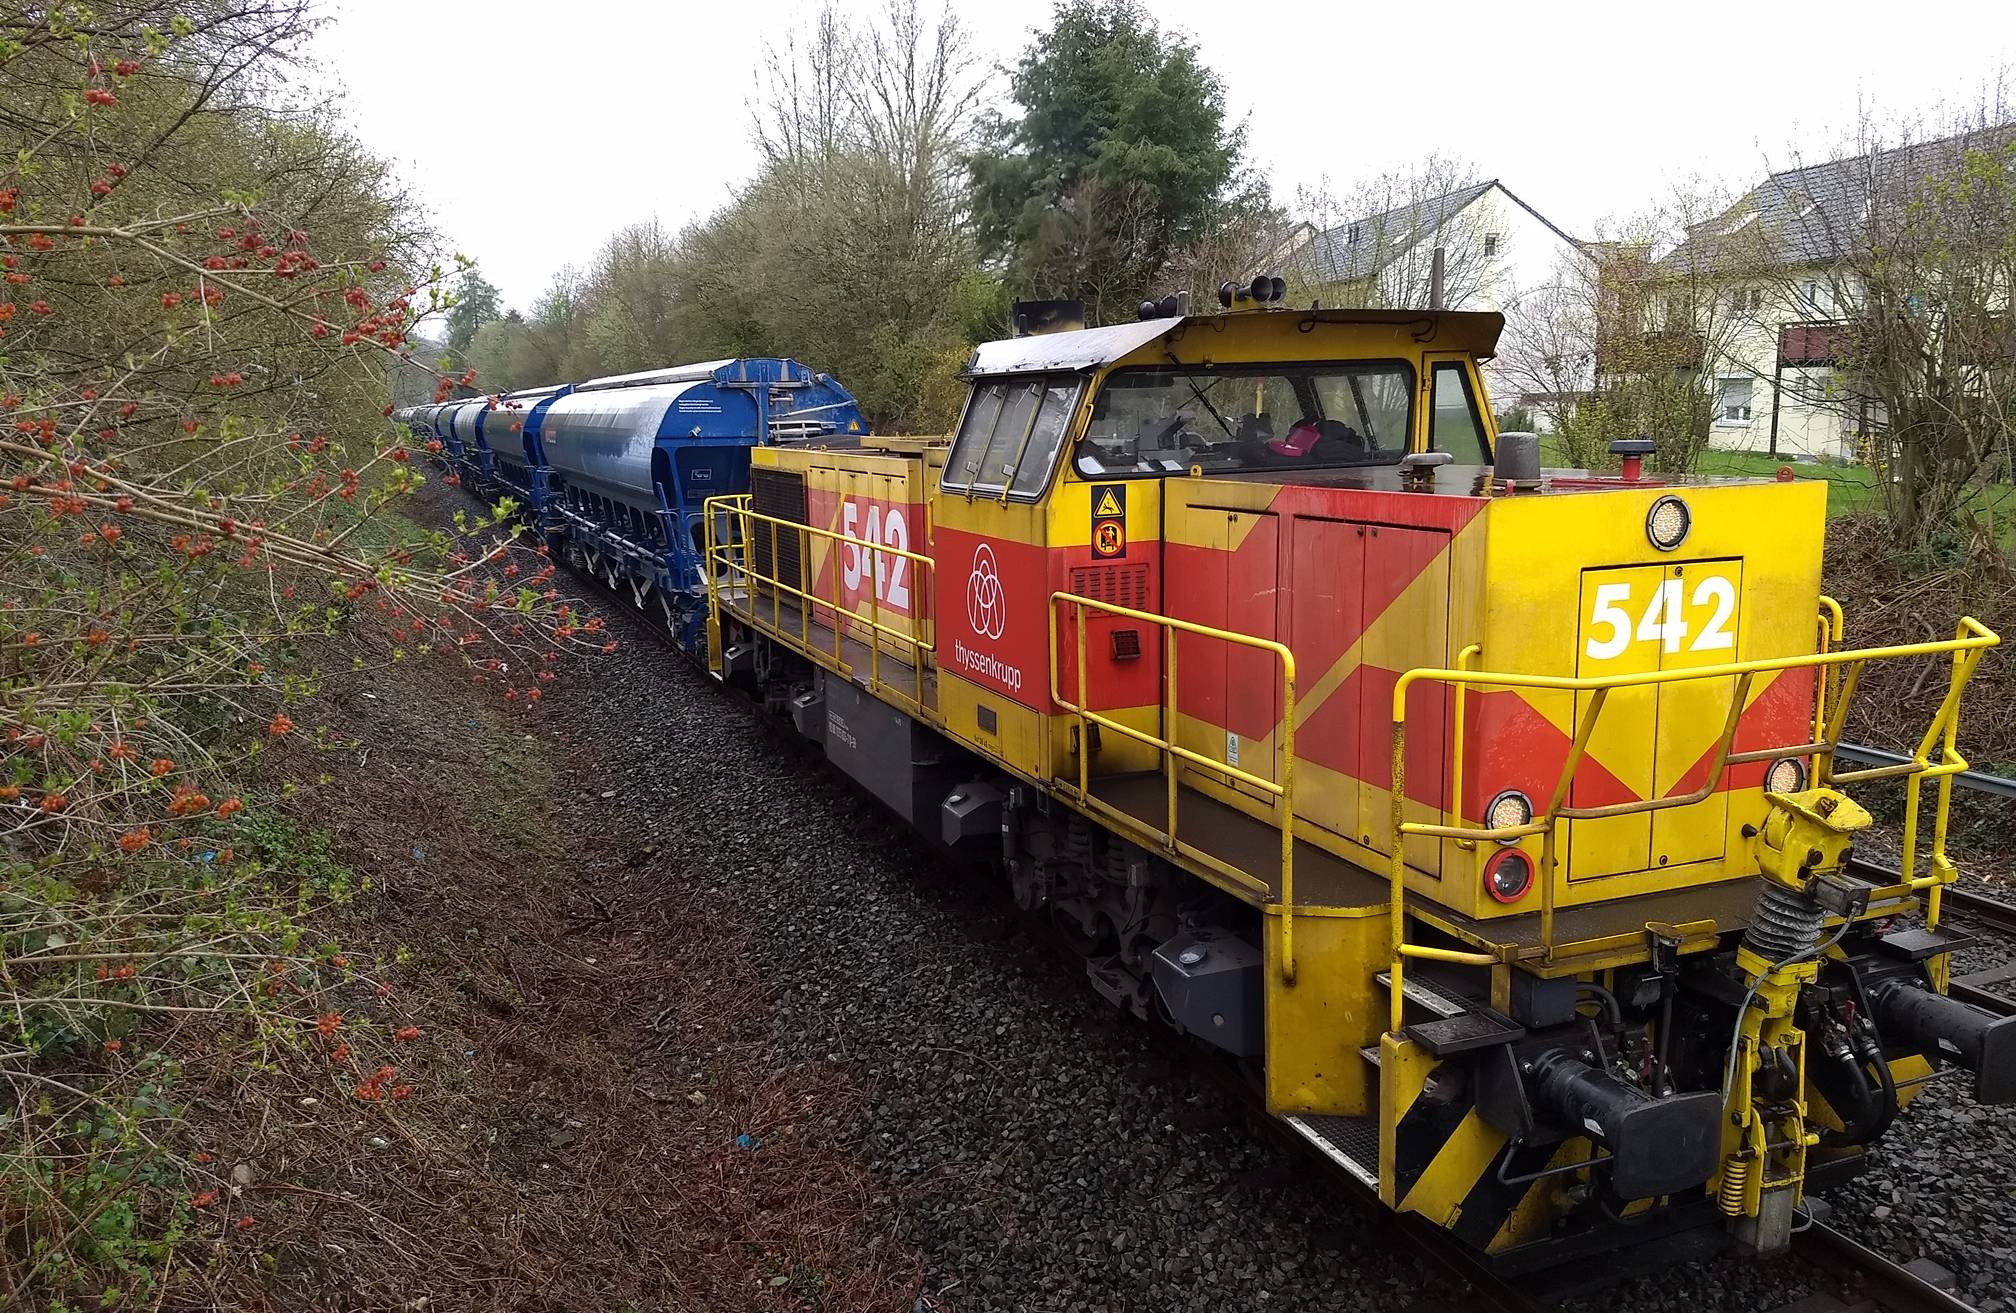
535 130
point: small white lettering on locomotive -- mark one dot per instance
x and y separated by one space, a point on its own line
982 663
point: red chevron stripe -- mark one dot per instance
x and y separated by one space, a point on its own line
1779 716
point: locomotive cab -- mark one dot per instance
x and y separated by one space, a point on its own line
1453 796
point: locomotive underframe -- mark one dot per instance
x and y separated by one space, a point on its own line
1474 1151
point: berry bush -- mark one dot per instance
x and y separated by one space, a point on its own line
207 287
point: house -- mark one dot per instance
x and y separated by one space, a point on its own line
1496 248
1770 285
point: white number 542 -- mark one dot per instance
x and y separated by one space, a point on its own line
1663 621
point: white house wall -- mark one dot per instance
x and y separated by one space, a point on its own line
1814 422
1530 257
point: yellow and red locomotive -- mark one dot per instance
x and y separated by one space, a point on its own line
1490 814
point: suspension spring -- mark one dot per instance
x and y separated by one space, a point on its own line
1783 924
1735 1184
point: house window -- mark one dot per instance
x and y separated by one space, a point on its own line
1490 245
1732 400
1746 300
1357 231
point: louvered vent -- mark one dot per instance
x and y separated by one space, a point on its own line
1122 585
779 493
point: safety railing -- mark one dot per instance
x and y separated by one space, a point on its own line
1174 754
1970 641
731 563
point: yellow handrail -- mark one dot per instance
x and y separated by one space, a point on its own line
1970 641
1173 752
845 622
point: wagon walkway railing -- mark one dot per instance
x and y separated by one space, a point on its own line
734 530
1937 758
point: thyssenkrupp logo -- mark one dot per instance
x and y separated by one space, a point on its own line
986 610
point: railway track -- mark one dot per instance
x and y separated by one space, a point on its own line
1873 1281
1870 1282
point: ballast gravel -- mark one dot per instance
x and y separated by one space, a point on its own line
1036 1150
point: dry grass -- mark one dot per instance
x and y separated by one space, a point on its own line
591 1053
1890 599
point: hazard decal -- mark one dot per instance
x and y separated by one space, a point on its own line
1109 520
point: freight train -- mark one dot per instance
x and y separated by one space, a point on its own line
617 471
1488 816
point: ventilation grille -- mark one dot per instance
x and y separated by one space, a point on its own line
778 493
1122 585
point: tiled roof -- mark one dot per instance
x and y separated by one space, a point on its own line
1332 257
1813 215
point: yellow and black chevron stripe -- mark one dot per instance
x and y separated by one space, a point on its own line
1438 1157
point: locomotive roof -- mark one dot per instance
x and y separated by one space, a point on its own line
1474 331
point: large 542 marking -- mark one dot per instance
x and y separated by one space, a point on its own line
888 529
1680 613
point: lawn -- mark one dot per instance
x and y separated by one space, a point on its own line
1850 488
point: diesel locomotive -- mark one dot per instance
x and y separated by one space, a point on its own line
1488 816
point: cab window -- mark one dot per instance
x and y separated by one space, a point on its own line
1010 435
1248 417
1455 426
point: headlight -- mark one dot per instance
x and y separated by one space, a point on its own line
1508 809
1667 523
1786 775
1508 876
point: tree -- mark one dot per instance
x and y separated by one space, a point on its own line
1119 157
475 304
851 250
1898 283
1629 336
204 292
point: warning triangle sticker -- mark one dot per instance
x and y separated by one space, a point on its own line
1107 504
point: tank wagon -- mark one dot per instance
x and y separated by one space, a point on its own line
1490 816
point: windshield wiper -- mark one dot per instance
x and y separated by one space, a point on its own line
1198 392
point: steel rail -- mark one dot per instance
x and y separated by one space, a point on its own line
1882 1278
1979 781
1993 913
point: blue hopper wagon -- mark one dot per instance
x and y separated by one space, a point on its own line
614 473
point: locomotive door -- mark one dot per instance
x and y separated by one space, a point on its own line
1406 626
991 575
1617 765
1252 677
1325 575
1228 697
1691 714
1654 741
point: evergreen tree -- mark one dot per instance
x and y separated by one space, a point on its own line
1121 156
